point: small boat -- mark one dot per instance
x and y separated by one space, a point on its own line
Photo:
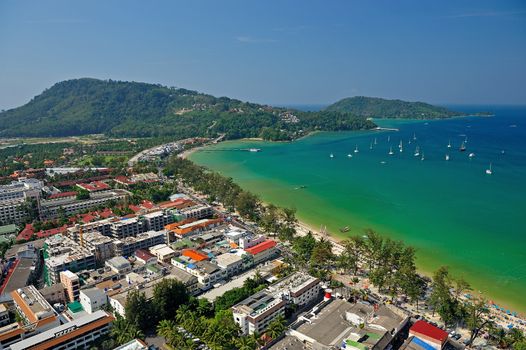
332 155
489 171
303 186
462 147
447 156
466 140
349 155
417 151
383 162
391 151
471 155
449 144
344 229
356 149
254 149
502 152
409 141
422 156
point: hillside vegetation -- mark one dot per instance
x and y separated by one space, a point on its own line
131 109
373 107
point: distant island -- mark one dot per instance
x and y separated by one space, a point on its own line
131 109
374 107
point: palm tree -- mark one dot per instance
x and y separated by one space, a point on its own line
123 331
276 327
245 343
166 329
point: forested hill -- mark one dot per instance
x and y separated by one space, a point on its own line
131 109
381 108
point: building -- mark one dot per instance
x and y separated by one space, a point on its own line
162 252
77 334
62 253
232 263
196 212
249 241
145 257
36 313
157 220
23 188
256 312
94 186
299 288
429 334
187 229
129 245
12 211
135 344
54 294
4 315
71 283
119 264
207 273
190 281
126 227
92 299
8 232
99 245
51 209
263 251
338 324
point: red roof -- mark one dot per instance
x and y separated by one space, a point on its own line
106 213
147 204
424 328
63 194
51 232
258 248
134 208
123 179
94 186
26 233
88 218
143 254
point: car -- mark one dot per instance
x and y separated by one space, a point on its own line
417 317
457 336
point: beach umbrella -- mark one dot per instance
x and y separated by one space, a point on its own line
510 326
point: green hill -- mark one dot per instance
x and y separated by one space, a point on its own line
373 107
131 109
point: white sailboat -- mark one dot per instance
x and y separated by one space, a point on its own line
414 136
388 138
449 144
371 146
447 156
391 151
489 171
356 149
417 151
471 155
332 155
349 155
422 156
375 141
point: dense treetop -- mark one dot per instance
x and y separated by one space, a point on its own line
131 109
374 107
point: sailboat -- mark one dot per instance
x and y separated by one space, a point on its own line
388 138
349 155
414 136
356 149
471 155
391 151
371 146
447 156
422 156
449 144
401 144
375 141
332 155
462 147
417 151
489 171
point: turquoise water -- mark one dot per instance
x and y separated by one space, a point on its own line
451 211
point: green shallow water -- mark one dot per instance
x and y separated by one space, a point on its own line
451 212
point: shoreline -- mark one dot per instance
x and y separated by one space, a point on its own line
424 268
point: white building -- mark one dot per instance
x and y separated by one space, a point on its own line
162 252
256 312
230 262
92 299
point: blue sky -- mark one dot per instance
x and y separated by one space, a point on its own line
277 52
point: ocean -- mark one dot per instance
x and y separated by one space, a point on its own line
451 211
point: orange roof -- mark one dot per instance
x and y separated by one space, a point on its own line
184 231
195 255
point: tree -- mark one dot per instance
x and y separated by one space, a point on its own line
441 299
303 247
247 205
276 327
139 311
322 258
168 295
476 320
246 343
123 331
